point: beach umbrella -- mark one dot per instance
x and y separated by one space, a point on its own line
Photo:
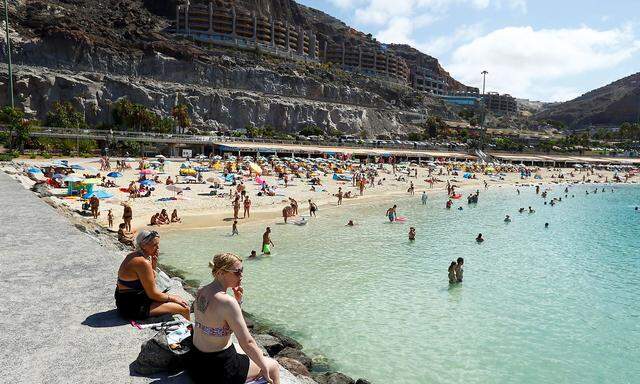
190 178
91 169
91 181
160 157
72 179
58 176
130 159
147 182
101 194
78 167
114 174
34 170
147 171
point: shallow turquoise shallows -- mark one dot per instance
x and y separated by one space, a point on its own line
556 305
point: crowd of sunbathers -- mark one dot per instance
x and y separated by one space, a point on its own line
162 218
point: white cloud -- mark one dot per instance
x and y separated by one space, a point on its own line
382 12
528 63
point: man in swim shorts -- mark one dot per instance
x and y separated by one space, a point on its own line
424 197
312 208
391 213
266 242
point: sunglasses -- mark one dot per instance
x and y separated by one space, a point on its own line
151 236
237 272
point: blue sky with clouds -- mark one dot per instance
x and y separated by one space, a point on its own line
541 50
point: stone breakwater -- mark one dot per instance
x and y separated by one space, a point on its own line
298 367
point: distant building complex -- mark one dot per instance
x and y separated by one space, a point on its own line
221 23
500 104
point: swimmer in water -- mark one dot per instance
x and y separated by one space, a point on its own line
391 213
412 234
460 208
253 254
459 269
479 239
350 223
531 210
507 219
521 210
452 273
546 225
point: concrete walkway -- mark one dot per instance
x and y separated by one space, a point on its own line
56 307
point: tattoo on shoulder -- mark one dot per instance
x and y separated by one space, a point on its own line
202 302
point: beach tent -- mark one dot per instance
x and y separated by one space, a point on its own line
147 182
34 170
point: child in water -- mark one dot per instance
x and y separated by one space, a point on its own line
412 234
234 228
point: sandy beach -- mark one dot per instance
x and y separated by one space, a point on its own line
198 209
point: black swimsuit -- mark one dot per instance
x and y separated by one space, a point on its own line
133 303
226 366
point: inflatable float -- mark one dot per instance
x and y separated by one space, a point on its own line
456 196
400 219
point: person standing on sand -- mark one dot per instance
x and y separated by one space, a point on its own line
294 206
361 186
266 242
412 189
312 208
110 218
127 215
339 195
94 202
247 207
236 207
286 213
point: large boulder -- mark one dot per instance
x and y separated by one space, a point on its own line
270 343
41 189
293 366
332 378
286 340
296 354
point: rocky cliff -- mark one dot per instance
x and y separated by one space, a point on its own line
91 52
610 105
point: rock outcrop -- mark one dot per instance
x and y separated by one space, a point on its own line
93 52
610 105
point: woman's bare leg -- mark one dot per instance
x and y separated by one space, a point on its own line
272 365
158 309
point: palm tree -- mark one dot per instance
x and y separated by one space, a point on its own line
180 112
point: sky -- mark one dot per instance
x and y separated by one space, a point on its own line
546 50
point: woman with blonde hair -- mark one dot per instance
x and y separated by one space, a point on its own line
217 316
137 296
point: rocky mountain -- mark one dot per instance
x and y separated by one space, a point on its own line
92 52
608 106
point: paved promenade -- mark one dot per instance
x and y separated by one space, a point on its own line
56 307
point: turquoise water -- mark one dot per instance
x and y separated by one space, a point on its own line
557 305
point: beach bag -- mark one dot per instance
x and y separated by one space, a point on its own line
156 356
